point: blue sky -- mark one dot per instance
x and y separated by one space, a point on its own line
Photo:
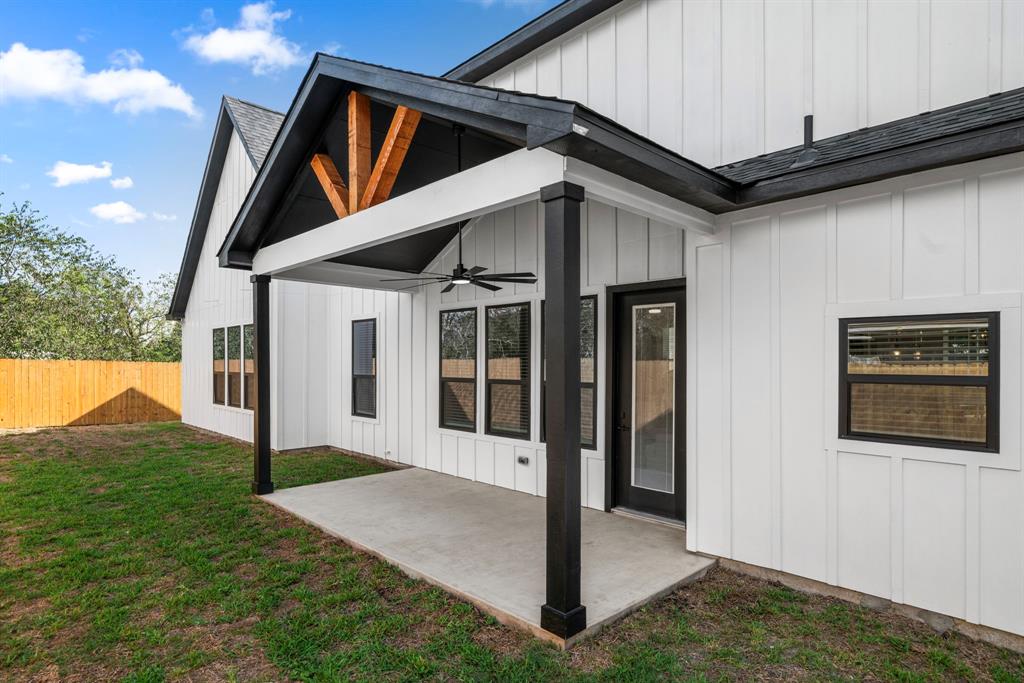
92 94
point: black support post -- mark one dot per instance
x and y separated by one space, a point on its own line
562 614
261 482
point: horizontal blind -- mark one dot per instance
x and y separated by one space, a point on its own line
364 368
508 370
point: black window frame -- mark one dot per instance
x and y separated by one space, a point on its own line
442 380
526 383
592 445
989 381
362 376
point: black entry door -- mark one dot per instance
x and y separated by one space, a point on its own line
647 406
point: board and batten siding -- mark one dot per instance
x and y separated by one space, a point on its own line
770 483
724 80
616 247
222 297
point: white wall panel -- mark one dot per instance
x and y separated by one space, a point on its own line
722 80
801 351
1001 233
1000 548
864 523
933 240
892 59
751 391
862 247
934 536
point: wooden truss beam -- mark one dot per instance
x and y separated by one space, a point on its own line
392 155
358 147
334 187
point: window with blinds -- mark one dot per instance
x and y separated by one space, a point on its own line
458 369
219 362
235 366
508 370
588 373
924 380
364 368
248 368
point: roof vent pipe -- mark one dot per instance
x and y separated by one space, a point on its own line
808 154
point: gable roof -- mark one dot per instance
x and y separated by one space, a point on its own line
256 126
523 120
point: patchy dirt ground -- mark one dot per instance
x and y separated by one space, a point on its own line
137 553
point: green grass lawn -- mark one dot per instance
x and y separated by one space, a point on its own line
137 553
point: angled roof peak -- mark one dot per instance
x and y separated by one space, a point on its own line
256 125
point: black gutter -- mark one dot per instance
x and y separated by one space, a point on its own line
542 30
961 148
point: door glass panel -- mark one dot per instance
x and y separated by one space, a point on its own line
654 367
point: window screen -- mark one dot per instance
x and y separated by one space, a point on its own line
588 374
364 368
458 369
508 370
235 366
218 365
928 380
248 368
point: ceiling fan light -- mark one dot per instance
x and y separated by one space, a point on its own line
461 280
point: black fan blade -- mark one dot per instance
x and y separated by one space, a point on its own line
492 288
450 287
510 275
476 269
410 279
516 280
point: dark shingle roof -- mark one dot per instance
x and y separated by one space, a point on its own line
960 118
256 125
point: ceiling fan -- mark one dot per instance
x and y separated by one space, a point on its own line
460 274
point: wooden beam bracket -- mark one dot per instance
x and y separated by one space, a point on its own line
334 187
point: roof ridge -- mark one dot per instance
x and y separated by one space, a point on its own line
252 104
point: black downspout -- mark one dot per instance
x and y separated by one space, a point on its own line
562 614
261 482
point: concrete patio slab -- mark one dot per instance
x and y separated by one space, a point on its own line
486 544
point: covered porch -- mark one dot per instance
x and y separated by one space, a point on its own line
464 152
484 544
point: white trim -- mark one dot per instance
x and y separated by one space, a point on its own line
619 192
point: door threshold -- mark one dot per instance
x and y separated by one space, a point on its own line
649 517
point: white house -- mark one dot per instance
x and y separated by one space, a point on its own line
797 233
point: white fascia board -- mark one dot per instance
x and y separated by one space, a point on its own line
617 191
506 181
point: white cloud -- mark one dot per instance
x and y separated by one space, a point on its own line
117 212
125 58
254 41
122 183
5 159
65 173
31 74
165 217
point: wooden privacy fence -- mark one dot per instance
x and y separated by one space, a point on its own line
50 393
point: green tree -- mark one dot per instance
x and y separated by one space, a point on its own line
60 298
